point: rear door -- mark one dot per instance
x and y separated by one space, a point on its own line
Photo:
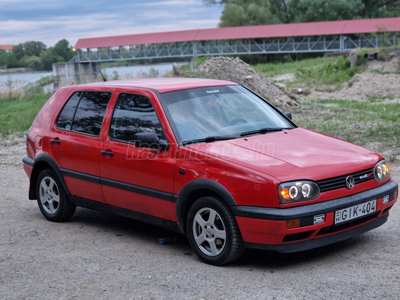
75 142
138 179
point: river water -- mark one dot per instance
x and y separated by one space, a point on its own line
19 80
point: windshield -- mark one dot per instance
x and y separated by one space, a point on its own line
221 112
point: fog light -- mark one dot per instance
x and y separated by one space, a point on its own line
295 223
318 219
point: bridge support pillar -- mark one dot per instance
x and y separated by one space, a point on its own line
71 73
193 61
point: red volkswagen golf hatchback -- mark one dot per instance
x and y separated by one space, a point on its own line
206 158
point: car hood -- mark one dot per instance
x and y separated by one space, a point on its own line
292 154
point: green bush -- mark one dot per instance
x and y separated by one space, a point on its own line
332 71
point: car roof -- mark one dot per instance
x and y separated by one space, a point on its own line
163 85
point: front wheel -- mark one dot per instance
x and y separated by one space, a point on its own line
52 199
213 232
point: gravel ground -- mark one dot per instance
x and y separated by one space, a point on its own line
99 256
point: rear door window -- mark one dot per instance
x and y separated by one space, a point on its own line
84 112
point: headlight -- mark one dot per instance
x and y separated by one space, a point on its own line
381 171
290 192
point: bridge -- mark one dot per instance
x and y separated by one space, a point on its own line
337 36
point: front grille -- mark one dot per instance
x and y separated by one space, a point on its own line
340 181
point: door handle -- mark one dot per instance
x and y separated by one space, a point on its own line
104 152
55 141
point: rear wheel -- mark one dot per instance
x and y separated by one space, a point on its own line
213 232
52 198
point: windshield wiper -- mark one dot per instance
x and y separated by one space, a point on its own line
208 139
262 131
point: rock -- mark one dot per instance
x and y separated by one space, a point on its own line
176 70
353 59
281 86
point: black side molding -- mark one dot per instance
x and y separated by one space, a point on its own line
119 185
170 225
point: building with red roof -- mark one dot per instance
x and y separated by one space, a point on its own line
6 47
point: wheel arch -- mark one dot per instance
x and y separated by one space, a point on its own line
195 190
44 161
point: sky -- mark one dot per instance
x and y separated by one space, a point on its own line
49 21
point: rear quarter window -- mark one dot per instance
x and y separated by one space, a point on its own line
84 112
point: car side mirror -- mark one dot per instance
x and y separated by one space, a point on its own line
288 114
150 140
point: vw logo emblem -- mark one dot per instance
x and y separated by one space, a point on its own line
350 183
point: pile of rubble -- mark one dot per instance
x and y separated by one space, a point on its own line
235 69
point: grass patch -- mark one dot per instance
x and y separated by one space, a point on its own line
275 69
354 121
17 114
323 70
379 99
366 111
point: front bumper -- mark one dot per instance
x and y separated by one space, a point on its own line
265 228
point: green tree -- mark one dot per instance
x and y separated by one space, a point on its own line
380 8
63 49
280 9
18 51
48 58
23 61
9 60
300 11
1 57
247 13
332 10
61 52
33 48
34 62
324 10
28 49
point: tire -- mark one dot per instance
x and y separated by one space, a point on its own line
52 198
213 232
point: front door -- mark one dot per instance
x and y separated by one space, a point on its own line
134 178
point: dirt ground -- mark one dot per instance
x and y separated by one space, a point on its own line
363 87
100 256
381 80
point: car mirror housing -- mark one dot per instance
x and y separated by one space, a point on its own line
288 114
150 140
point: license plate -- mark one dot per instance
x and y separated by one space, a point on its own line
355 212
